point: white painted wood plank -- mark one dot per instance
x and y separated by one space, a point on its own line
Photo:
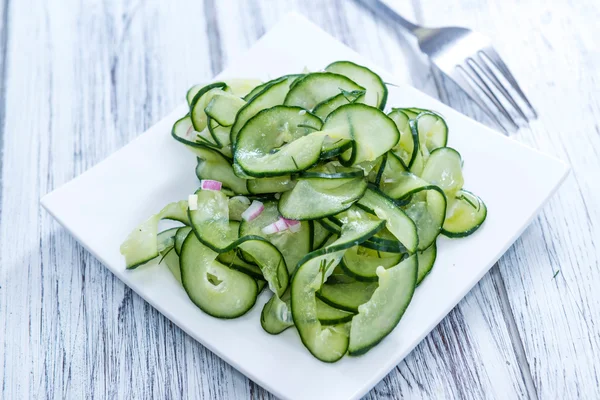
551 52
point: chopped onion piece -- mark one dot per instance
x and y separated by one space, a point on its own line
193 202
255 209
293 225
281 225
208 184
270 229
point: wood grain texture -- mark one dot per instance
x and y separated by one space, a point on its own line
104 71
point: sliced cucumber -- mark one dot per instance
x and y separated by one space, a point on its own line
427 210
317 87
237 205
292 78
432 129
213 165
171 259
380 315
293 245
271 95
220 136
241 87
328 344
276 184
217 290
198 92
397 222
466 212
347 296
326 107
232 260
184 132
210 221
180 237
276 315
199 103
426 259
405 149
270 261
329 315
444 169
330 225
373 132
141 245
320 197
276 142
166 239
361 263
223 107
319 235
376 90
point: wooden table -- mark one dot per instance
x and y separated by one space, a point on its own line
79 79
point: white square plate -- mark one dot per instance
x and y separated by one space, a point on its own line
104 204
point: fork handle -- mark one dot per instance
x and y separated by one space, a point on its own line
381 8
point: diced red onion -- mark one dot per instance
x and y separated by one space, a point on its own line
293 225
270 229
281 225
255 209
208 184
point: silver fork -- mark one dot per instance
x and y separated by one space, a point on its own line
468 58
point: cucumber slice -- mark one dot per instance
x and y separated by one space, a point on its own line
319 235
270 262
328 344
196 92
217 290
166 239
329 315
180 237
293 245
347 296
276 142
271 95
320 197
233 261
444 169
426 259
432 130
237 205
276 315
199 103
329 225
213 165
397 222
428 211
241 87
373 132
276 184
223 107
141 245
466 212
317 87
326 107
361 263
210 221
376 90
259 88
405 149
380 315
220 136
183 131
171 259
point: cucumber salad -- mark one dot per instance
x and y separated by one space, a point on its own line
312 188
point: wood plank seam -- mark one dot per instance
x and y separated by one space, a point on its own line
214 36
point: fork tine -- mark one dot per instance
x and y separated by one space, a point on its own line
492 77
483 86
494 58
461 80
